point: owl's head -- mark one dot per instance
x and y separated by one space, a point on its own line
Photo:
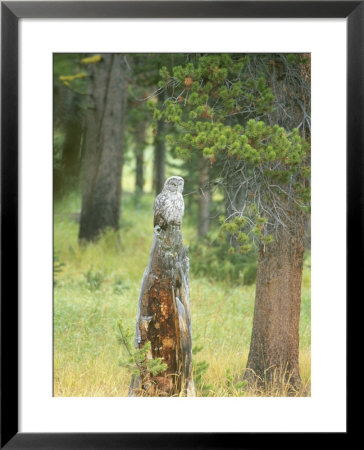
174 184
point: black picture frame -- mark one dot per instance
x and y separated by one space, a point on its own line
11 12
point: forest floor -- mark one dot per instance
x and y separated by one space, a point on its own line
99 284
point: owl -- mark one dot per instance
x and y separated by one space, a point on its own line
169 205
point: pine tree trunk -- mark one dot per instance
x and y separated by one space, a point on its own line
71 154
140 144
103 151
273 358
164 318
160 156
204 199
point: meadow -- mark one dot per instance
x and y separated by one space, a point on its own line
98 284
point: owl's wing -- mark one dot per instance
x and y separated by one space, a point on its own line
158 204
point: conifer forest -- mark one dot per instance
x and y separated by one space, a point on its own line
181 187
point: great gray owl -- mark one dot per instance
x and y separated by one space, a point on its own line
169 205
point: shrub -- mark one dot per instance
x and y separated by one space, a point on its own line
215 260
250 273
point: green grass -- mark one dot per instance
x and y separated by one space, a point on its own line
99 284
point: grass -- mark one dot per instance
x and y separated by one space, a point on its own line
99 284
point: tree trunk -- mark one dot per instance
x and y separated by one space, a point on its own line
160 156
140 144
204 199
71 154
103 151
273 357
164 318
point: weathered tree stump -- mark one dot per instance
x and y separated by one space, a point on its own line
164 317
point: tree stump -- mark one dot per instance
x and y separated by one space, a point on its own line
164 318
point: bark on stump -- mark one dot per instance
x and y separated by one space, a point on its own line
164 317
